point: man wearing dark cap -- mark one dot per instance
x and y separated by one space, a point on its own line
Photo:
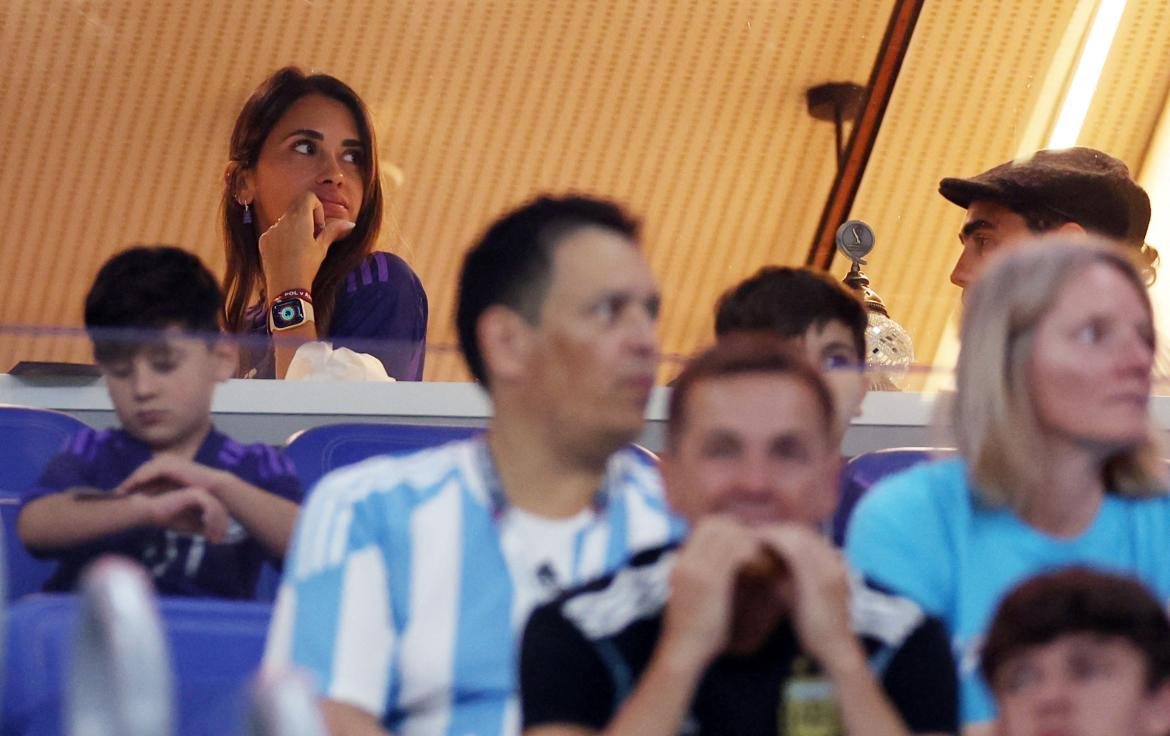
1055 190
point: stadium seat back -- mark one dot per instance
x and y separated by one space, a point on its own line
318 450
863 471
215 649
28 439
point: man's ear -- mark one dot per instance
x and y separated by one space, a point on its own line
505 342
1071 228
675 485
226 354
668 468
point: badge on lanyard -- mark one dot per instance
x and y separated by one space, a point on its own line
808 704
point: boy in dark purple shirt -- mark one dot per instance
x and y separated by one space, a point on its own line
200 511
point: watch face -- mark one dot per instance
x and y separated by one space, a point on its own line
287 313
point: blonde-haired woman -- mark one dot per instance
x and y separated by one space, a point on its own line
1057 462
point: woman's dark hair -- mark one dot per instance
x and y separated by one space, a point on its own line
267 105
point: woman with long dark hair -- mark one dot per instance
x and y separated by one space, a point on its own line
302 207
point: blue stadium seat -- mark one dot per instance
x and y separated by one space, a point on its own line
317 450
215 649
26 574
863 471
28 438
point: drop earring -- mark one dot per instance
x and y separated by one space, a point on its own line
247 218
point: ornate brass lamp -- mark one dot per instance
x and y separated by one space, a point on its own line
889 351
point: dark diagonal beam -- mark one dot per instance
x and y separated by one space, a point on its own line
865 130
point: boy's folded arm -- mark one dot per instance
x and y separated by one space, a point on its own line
80 516
267 517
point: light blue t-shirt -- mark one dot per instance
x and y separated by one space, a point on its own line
925 534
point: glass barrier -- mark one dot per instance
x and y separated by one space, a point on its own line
67 355
153 385
47 352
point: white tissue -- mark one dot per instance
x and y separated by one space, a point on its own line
319 361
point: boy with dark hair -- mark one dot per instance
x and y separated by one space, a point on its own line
790 301
1080 651
199 510
814 309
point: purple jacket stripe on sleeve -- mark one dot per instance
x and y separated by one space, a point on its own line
272 458
383 267
231 453
78 443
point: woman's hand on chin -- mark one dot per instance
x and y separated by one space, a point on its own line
292 249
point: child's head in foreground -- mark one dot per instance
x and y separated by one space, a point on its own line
153 315
1078 651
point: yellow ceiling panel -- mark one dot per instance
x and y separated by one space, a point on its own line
967 91
116 117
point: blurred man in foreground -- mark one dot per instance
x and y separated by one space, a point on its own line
753 625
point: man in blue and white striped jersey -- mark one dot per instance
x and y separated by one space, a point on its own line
410 579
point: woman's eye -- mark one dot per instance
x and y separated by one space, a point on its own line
1146 333
719 448
353 157
305 147
654 307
